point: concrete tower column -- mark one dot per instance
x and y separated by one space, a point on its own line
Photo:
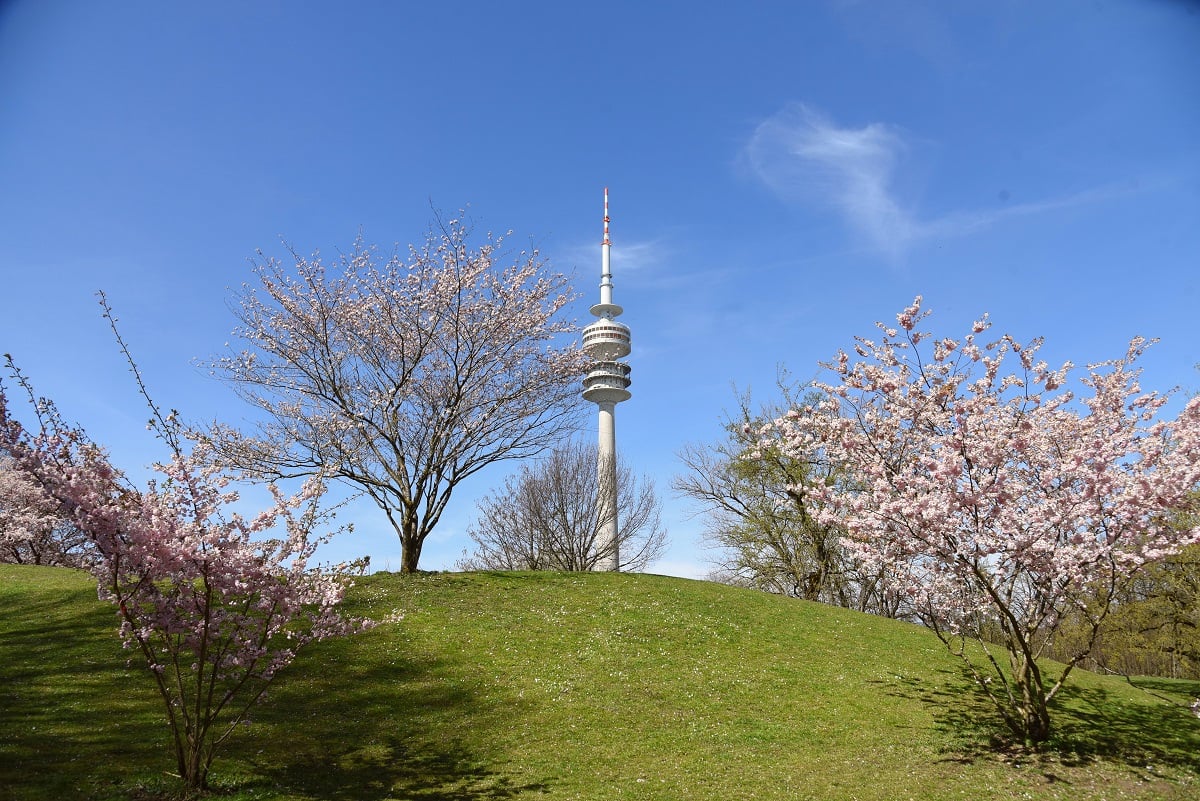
606 496
607 384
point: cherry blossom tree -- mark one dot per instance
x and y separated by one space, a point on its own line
1001 502
216 603
32 529
402 377
548 517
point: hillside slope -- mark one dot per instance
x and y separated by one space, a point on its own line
595 686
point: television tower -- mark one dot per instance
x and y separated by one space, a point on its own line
606 341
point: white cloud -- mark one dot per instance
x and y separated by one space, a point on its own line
628 258
637 257
801 155
962 223
804 157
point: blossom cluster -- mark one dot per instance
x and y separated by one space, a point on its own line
30 525
983 489
216 603
402 374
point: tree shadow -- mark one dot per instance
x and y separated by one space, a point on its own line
1088 723
1094 722
381 732
1182 691
63 728
393 768
359 718
961 712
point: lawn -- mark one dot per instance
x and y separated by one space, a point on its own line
574 686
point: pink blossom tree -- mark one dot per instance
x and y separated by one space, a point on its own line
402 377
216 603
1000 502
32 529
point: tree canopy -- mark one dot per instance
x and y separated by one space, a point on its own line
401 376
548 517
998 500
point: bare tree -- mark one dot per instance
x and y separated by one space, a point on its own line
547 518
761 518
401 376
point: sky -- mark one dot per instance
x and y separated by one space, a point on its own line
781 176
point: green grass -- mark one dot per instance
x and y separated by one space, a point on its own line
569 686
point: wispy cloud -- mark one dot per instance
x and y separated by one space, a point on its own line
803 156
629 259
962 223
640 257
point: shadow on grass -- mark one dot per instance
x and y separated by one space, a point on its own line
1095 722
393 767
1087 723
65 733
1177 691
352 719
406 729
961 711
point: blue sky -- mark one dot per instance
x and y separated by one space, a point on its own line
781 175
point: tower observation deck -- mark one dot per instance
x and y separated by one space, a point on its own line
607 384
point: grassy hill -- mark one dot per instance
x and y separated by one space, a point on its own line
568 686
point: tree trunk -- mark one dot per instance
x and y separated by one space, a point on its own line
1034 715
410 555
1036 722
193 769
410 539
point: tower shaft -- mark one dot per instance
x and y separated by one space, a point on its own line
607 384
607 545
